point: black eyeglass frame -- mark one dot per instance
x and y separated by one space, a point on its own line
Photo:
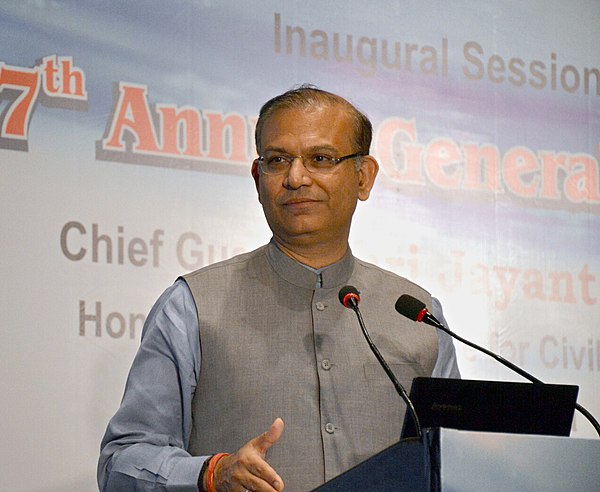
291 159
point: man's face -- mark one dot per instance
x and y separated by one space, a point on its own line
303 208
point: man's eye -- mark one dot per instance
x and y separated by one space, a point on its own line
322 159
276 159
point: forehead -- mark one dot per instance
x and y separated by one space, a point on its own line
311 126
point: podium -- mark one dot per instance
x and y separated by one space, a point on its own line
464 461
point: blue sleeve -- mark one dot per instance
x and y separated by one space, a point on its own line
144 447
446 365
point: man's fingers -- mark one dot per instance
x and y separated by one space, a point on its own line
263 442
254 483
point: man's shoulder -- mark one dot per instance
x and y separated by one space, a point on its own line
380 277
220 267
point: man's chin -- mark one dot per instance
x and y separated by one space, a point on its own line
300 236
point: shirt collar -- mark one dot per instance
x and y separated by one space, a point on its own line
303 276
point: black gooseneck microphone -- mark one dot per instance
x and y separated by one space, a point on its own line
349 297
414 309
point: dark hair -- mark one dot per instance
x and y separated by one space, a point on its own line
309 95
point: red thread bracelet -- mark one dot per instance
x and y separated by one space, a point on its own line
210 472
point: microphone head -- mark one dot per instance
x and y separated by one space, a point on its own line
349 296
410 307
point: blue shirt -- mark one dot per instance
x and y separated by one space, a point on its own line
145 444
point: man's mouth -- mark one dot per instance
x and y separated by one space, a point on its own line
299 200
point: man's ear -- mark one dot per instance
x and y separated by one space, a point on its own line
256 176
366 176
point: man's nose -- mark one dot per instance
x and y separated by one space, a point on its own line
298 175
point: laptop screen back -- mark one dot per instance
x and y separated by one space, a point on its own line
492 406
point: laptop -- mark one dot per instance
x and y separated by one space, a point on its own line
492 406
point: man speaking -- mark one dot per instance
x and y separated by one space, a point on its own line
251 376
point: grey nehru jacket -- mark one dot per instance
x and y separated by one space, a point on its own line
273 345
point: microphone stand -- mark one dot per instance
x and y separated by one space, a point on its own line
399 388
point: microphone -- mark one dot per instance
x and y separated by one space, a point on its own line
414 309
349 297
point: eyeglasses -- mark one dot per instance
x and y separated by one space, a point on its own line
276 163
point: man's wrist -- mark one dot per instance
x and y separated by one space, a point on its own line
207 472
201 481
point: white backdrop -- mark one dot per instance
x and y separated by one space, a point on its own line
125 145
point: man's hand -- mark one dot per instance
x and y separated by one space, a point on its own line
247 468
